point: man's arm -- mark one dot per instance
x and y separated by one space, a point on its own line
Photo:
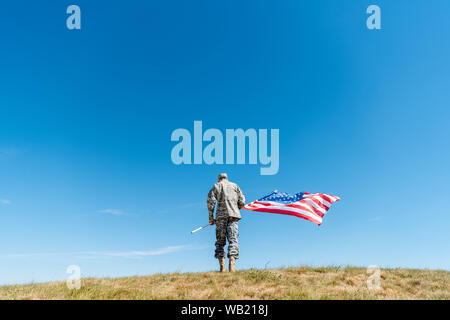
241 198
211 204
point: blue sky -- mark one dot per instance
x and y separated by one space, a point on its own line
86 176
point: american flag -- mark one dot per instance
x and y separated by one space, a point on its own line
309 206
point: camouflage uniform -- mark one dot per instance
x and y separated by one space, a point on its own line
230 200
227 228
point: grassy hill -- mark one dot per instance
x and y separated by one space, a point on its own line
286 283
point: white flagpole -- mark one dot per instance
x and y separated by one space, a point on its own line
198 229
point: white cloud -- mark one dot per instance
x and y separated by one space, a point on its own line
132 254
105 254
116 212
5 201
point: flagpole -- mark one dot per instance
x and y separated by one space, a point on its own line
198 229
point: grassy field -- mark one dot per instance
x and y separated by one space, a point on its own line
287 283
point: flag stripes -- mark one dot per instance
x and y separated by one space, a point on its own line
308 206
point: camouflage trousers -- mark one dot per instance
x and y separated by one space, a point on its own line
227 229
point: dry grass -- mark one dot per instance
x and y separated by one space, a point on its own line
286 284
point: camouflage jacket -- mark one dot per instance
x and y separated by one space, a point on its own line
229 197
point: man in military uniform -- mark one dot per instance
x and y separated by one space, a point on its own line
230 200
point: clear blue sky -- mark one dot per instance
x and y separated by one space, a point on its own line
86 116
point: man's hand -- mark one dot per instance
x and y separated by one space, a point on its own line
211 221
